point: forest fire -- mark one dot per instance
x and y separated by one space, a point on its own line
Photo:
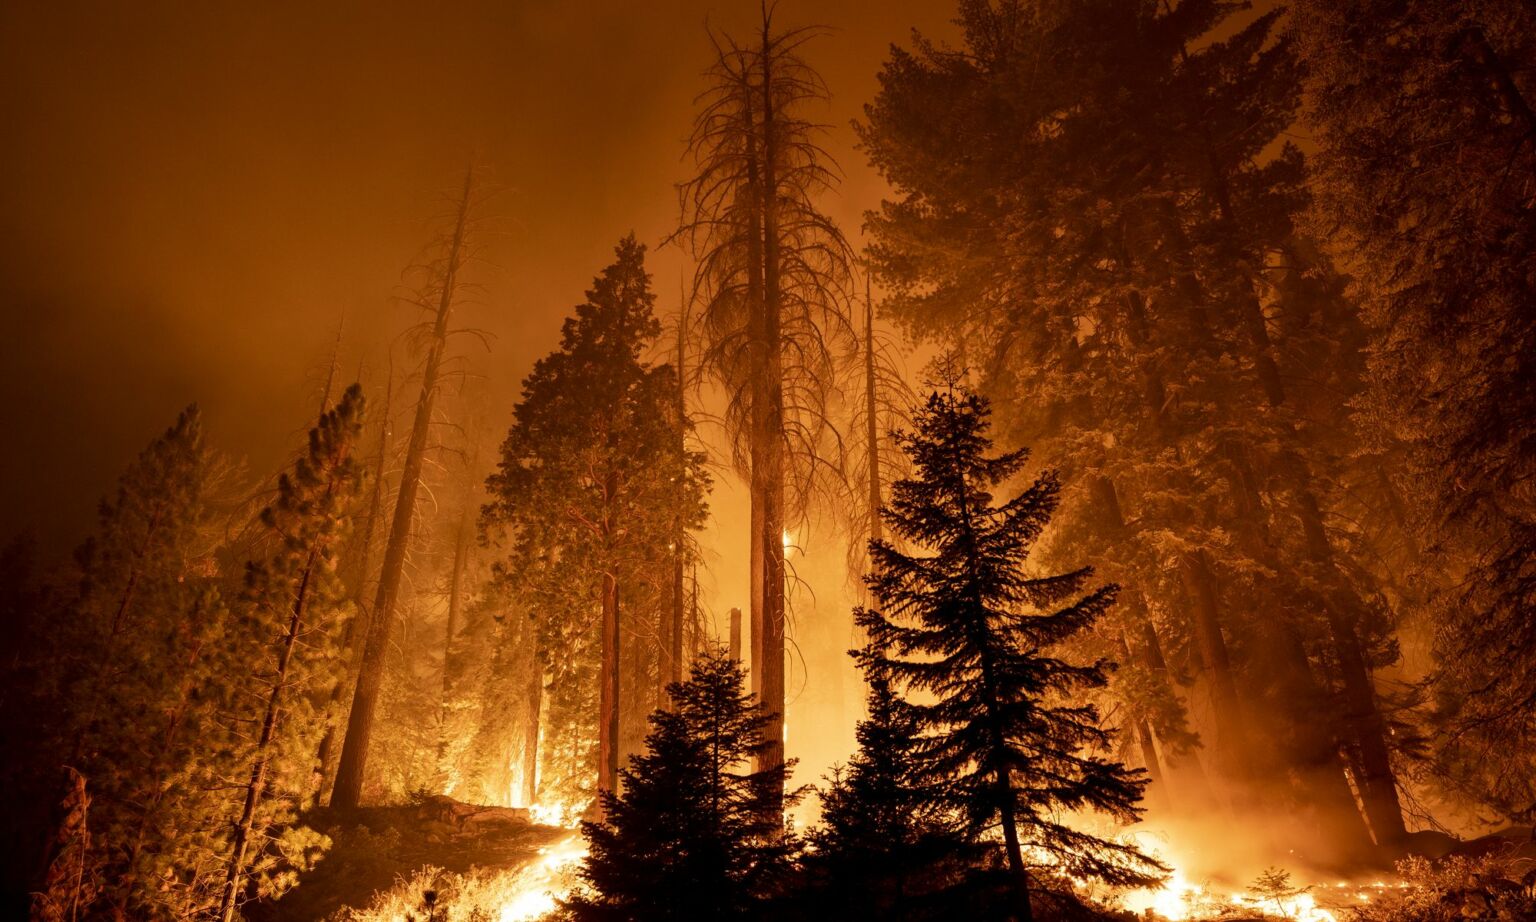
1100 428
533 893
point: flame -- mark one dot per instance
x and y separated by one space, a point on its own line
556 813
1178 899
538 889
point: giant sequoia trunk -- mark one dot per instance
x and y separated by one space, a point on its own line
608 690
351 771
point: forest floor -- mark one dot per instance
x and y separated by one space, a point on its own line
376 849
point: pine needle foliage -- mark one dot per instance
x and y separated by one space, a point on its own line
688 836
888 843
966 635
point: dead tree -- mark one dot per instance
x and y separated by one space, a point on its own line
772 285
440 296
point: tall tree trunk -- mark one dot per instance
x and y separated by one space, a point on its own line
674 638
256 787
455 608
1184 769
608 691
736 634
357 625
350 772
1378 781
1200 585
1018 875
1141 731
872 417
535 694
770 450
1314 759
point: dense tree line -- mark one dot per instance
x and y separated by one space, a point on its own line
976 741
179 690
1253 285
1129 252
594 485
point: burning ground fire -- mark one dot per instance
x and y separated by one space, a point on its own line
535 890
523 893
1179 899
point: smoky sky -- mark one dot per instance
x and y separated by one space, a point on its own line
192 196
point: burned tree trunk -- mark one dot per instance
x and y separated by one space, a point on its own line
872 419
350 772
531 729
450 631
357 625
773 278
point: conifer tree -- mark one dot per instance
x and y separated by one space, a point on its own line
144 639
294 611
445 286
1425 115
688 838
967 636
593 482
889 844
773 286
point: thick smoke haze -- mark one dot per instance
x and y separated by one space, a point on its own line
195 195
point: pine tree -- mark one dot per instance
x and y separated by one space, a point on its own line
688 838
1424 115
773 282
961 623
444 288
142 640
888 844
593 482
294 609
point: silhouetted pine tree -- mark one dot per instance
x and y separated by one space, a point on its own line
889 844
688 837
958 626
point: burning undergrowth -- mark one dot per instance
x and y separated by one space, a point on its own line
521 893
498 862
1214 877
